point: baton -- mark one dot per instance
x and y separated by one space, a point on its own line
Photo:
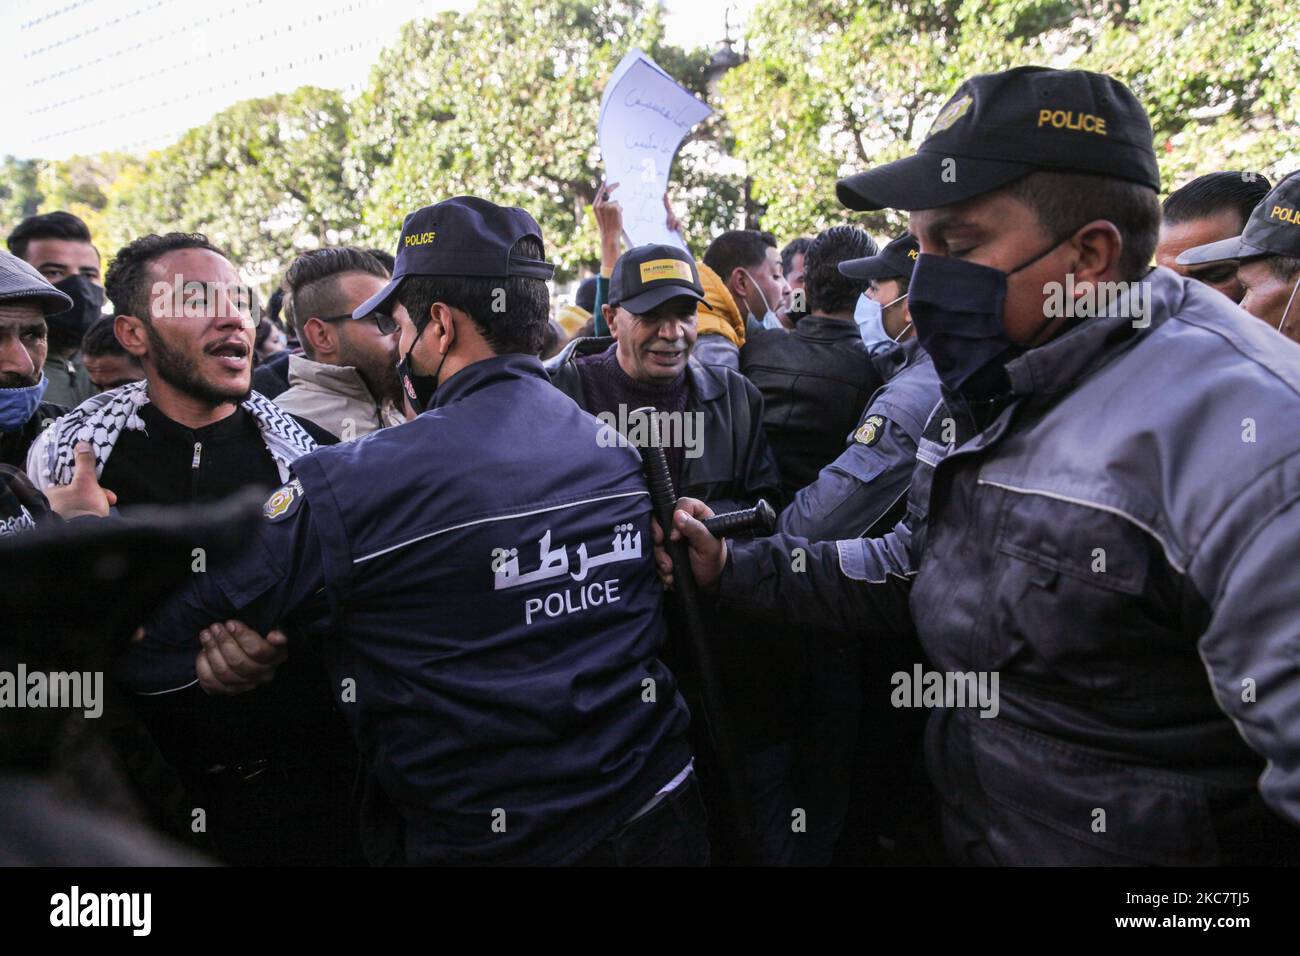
716 724
760 519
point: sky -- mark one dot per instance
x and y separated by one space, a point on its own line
83 76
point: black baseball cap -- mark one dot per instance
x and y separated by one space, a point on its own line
1273 229
896 260
999 127
464 236
647 276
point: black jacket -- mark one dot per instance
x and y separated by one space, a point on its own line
735 467
14 445
815 382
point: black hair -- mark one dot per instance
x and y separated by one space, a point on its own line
585 297
795 247
386 259
511 314
1066 201
1285 268
274 306
50 225
100 339
827 288
1213 193
127 281
738 248
553 339
264 330
310 286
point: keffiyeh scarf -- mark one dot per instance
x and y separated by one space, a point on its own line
100 420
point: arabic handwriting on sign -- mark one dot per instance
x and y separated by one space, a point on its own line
633 98
647 140
626 547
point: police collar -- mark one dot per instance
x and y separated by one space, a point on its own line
491 371
1060 364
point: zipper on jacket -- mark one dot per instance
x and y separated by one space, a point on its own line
194 469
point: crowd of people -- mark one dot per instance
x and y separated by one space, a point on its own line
1031 596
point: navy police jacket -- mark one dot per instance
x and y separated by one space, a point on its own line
495 617
862 493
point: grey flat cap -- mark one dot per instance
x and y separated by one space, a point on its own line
20 282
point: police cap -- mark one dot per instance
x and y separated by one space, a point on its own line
896 260
1000 127
1273 229
464 236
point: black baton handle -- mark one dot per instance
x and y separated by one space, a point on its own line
663 500
760 519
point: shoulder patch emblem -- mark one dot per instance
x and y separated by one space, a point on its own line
868 432
283 502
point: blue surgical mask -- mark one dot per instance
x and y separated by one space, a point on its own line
18 405
870 318
770 321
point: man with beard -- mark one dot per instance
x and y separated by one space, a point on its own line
346 380
271 780
497 725
58 246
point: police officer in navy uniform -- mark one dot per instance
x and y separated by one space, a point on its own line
857 751
1104 520
485 570
861 493
1267 258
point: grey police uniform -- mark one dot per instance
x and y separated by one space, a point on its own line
861 492
1118 545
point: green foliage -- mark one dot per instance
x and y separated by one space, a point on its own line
835 86
89 187
19 195
263 179
503 103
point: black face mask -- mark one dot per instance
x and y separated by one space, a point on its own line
87 306
419 389
956 307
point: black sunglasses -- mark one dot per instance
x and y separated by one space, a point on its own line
384 322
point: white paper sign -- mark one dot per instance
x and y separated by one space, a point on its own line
644 116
